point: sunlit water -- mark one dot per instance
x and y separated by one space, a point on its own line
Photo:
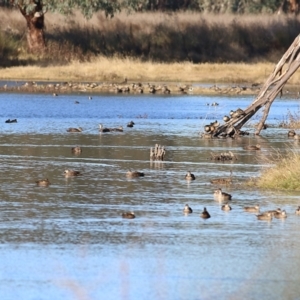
69 241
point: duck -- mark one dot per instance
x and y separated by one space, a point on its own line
227 180
128 215
69 173
221 196
11 121
205 214
265 216
254 208
190 176
280 215
43 182
187 209
274 211
119 129
76 150
297 211
72 129
291 133
104 129
226 207
252 147
226 119
134 174
130 124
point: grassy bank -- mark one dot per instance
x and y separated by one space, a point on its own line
116 69
284 175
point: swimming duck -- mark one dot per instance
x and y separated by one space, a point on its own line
252 208
205 214
11 121
130 124
190 176
221 196
72 129
226 207
43 182
297 211
187 209
227 180
280 215
291 133
128 215
252 147
134 174
104 129
69 173
76 150
265 216
274 211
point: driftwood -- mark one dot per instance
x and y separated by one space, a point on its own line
158 152
285 68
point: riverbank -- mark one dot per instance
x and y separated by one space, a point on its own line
104 75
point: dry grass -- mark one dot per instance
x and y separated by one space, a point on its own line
292 120
152 47
283 173
116 69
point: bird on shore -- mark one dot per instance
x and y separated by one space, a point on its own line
205 214
71 173
187 209
190 176
130 124
72 129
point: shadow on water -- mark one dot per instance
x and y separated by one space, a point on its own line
70 236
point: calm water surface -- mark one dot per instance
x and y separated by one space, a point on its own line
68 240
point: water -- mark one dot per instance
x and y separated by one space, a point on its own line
68 240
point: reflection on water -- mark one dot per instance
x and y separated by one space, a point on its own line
70 239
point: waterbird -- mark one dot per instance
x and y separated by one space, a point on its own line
134 174
72 129
43 182
70 173
205 214
254 208
226 207
128 215
190 176
187 209
221 196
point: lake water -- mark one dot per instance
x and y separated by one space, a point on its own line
69 241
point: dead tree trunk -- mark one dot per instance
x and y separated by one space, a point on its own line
286 67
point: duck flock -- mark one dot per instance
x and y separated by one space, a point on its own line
218 195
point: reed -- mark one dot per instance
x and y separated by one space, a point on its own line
282 173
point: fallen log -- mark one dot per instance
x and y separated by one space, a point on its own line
285 68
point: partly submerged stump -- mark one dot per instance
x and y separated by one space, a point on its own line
158 152
224 156
285 68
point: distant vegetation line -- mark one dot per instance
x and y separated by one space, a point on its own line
160 37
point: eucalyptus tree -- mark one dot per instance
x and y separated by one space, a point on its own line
34 13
